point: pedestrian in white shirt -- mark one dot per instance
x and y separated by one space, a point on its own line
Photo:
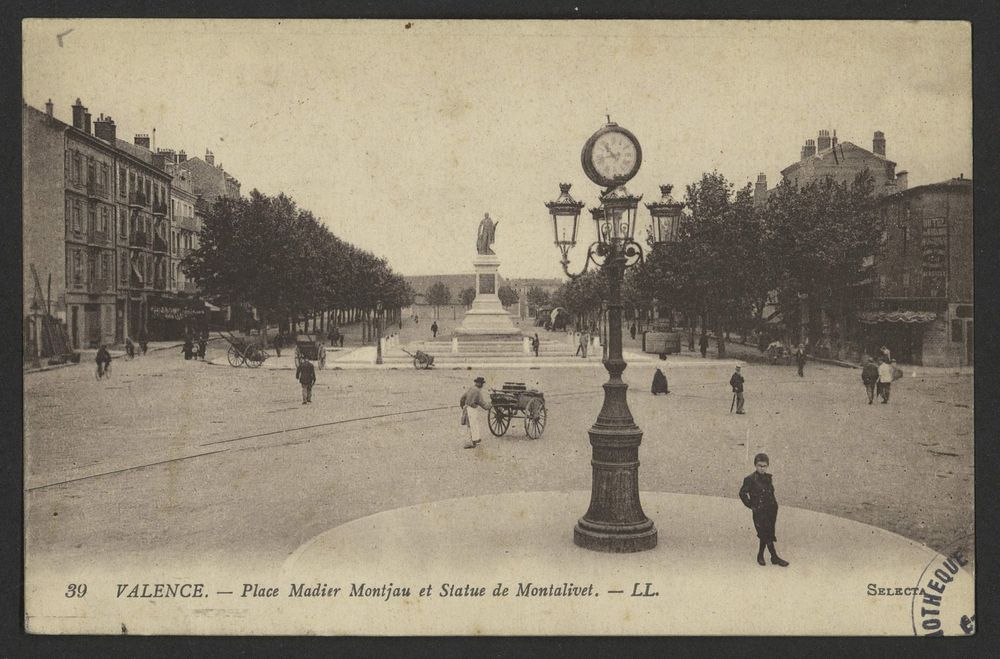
884 380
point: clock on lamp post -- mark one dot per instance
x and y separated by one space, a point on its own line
615 521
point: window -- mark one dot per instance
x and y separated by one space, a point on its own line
91 171
77 168
104 220
69 165
122 183
77 215
906 238
91 268
91 220
105 178
77 268
131 181
956 330
106 268
122 223
149 186
123 275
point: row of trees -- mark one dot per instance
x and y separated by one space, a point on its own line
439 295
267 252
736 265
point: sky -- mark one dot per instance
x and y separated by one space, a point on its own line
400 138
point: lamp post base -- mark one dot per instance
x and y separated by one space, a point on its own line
615 538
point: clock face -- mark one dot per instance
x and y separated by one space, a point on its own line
611 156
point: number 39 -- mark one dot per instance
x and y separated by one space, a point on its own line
76 590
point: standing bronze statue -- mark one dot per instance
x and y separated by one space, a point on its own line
487 235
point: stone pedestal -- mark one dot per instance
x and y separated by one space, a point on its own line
486 325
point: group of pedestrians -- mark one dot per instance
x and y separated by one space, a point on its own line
191 352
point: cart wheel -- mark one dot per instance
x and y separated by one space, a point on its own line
416 364
254 358
235 356
498 419
322 357
534 422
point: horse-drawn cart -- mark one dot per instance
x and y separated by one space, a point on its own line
243 352
310 346
515 400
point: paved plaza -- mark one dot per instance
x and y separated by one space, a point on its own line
178 458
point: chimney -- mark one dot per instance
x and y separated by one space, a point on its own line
181 156
104 128
48 107
760 190
878 143
823 141
142 140
809 149
86 121
902 179
78 111
209 157
834 140
159 160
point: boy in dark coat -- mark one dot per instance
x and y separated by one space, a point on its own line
757 494
703 345
188 348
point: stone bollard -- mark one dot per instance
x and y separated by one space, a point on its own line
454 344
525 345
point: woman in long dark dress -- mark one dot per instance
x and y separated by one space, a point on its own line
660 383
757 494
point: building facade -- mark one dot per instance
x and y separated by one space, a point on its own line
921 303
826 157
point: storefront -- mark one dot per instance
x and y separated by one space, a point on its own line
173 317
916 330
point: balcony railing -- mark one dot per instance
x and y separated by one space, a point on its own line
159 244
99 285
139 239
137 199
159 208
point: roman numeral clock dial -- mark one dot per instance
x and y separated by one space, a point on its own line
611 156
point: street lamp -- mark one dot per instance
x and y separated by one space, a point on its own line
614 522
666 214
378 331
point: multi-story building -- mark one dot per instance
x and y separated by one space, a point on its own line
185 227
144 235
209 180
921 303
825 157
68 168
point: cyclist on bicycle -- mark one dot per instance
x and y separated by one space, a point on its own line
129 348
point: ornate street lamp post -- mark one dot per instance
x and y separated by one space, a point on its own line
614 521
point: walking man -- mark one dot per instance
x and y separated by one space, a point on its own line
736 382
631 331
869 376
703 345
434 329
757 494
884 380
103 360
800 360
474 404
143 340
202 347
535 344
306 375
188 348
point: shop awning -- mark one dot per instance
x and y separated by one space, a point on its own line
873 317
210 306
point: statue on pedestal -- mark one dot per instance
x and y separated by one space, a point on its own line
487 235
